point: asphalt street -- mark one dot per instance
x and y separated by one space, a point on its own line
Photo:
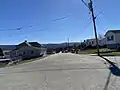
61 72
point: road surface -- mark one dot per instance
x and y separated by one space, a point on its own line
60 72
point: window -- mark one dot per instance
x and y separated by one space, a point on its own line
110 38
23 52
31 52
20 54
107 38
6 53
92 42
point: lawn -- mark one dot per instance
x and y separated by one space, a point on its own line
89 51
93 51
27 60
20 62
103 52
2 65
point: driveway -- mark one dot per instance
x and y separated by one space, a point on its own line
60 72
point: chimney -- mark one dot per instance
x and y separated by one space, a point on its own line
25 40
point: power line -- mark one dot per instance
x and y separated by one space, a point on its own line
16 29
98 14
89 21
30 26
61 18
85 3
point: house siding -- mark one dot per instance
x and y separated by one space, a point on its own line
102 42
111 46
92 42
117 37
109 34
28 52
115 43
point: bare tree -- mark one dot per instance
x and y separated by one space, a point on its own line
100 36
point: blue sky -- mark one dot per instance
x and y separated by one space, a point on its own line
40 13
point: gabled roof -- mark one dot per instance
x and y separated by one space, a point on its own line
25 43
113 31
35 44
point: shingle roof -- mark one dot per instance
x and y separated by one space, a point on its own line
34 44
113 31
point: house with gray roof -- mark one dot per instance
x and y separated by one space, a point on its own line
113 39
28 50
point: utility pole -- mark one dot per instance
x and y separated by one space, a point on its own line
90 6
68 44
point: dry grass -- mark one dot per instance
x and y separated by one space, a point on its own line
104 52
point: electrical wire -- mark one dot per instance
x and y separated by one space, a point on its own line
16 29
59 19
85 3
30 26
98 14
90 19
88 24
20 29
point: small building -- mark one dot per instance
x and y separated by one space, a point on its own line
6 53
102 42
92 42
113 39
6 49
27 50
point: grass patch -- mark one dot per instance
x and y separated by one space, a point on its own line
2 65
27 60
116 53
107 54
103 52
89 51
112 53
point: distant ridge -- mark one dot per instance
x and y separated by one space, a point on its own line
51 45
7 47
60 45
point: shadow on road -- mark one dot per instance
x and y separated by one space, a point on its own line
114 69
107 82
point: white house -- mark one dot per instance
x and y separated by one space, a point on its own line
28 50
92 42
102 42
6 53
113 38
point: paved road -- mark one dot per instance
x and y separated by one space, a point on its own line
60 72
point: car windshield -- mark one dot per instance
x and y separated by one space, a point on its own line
59 45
